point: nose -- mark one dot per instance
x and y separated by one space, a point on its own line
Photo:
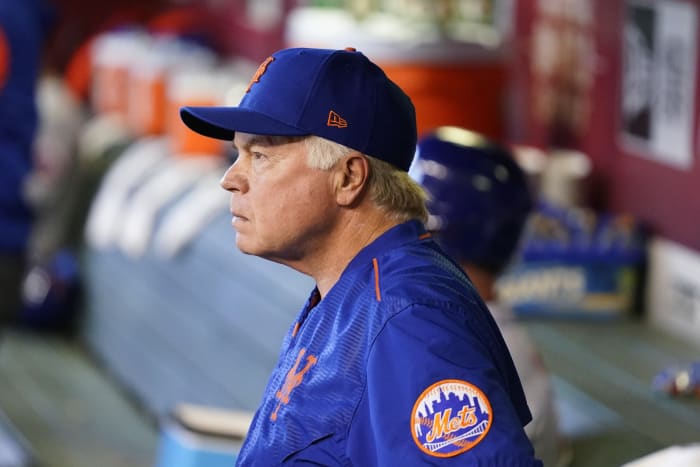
234 180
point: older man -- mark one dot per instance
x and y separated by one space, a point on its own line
394 359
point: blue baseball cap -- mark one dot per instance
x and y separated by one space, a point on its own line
339 95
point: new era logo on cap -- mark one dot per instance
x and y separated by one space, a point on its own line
336 120
339 95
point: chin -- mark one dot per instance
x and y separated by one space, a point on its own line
249 246
243 246
247 251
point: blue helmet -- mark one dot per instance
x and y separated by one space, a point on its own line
479 196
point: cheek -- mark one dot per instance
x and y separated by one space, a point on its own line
280 207
298 197
301 203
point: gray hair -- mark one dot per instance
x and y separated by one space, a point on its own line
392 189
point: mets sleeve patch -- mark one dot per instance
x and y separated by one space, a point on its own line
450 417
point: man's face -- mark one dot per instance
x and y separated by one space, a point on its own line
282 209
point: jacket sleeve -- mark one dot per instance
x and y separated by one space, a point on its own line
434 396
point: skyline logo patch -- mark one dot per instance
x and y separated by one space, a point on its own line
450 417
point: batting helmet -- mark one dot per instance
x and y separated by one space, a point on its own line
479 196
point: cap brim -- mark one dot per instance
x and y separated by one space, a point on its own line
224 122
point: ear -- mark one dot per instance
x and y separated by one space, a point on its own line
352 174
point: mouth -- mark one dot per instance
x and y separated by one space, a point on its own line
237 218
236 213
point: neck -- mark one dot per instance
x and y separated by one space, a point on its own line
354 230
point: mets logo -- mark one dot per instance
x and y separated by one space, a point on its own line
259 72
450 417
293 379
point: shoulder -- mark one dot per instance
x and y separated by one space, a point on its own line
413 285
421 275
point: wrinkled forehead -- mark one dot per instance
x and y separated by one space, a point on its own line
247 140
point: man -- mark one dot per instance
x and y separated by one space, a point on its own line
394 359
479 205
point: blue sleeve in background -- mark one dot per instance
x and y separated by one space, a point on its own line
23 26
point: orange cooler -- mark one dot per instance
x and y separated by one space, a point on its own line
146 103
185 142
112 55
461 93
206 87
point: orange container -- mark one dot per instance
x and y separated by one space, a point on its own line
112 55
147 103
462 94
214 85
110 89
185 142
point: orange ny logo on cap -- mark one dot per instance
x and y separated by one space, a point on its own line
259 72
336 120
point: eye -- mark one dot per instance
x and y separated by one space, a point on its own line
258 156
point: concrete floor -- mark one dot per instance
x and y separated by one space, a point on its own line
72 414
68 409
602 375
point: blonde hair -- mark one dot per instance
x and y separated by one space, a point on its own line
392 189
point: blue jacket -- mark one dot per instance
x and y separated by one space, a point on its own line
22 27
401 364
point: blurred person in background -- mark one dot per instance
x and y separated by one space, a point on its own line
68 165
24 25
479 202
394 360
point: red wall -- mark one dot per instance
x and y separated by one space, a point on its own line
664 197
78 20
236 36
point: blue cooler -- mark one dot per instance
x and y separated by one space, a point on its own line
199 436
575 262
